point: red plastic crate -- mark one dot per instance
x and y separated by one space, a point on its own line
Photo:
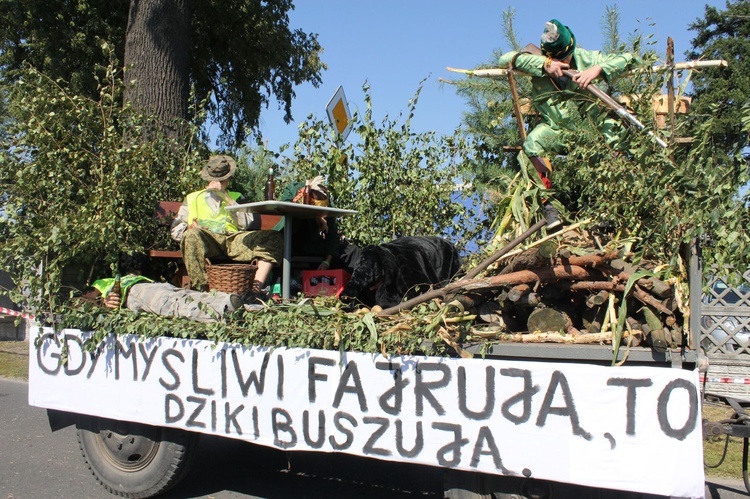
324 282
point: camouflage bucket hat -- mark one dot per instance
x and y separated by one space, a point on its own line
219 167
557 40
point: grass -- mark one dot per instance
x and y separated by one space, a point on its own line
14 363
713 447
14 359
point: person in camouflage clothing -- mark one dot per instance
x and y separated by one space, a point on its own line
205 229
140 294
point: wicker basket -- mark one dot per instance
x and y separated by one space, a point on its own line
231 277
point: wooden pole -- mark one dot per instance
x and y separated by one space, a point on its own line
501 73
516 106
670 88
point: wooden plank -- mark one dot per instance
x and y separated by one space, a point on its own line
166 211
177 254
268 222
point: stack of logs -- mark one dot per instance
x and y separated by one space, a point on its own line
545 296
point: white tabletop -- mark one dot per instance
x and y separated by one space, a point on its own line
290 212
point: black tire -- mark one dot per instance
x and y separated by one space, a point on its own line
473 485
465 485
135 460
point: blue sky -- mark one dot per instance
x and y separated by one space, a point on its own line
393 45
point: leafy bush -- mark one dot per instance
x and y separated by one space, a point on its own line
662 197
80 186
402 183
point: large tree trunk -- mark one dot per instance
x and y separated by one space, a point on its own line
157 60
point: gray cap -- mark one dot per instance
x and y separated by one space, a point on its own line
219 167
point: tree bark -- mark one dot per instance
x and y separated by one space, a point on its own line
555 337
157 61
538 256
623 270
544 274
516 292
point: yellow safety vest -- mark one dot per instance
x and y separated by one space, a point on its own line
220 222
104 286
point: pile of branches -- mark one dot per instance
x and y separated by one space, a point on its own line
548 294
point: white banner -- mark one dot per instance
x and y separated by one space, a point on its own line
630 428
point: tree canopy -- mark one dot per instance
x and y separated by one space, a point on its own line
402 183
243 54
722 92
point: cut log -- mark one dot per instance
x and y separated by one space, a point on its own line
598 299
538 256
647 299
655 330
593 260
635 340
592 286
544 274
546 320
677 335
529 300
592 319
624 270
491 313
570 271
468 300
573 331
516 292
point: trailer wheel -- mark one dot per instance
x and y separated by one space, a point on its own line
464 485
473 485
135 460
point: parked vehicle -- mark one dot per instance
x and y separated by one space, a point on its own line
516 420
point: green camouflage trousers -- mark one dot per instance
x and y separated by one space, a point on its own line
241 246
164 299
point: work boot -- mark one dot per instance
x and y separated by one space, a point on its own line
256 295
552 216
235 302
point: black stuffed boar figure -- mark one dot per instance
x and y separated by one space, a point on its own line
386 274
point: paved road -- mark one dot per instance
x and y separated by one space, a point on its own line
38 464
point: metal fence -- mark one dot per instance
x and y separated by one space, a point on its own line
725 317
725 335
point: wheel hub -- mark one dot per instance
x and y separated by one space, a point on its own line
127 451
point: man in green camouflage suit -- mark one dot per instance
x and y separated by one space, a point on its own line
554 94
206 229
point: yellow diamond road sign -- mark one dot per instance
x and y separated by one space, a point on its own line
338 113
